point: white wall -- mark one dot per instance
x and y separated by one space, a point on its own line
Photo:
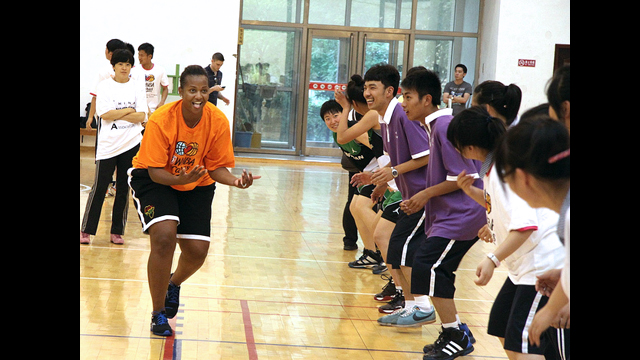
182 32
518 29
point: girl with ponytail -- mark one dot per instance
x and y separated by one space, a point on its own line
526 238
501 101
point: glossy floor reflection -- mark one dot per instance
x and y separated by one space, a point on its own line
275 285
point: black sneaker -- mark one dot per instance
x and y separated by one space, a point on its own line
464 327
172 300
396 303
367 260
388 291
160 325
379 269
451 344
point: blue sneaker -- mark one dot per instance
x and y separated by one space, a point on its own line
416 317
160 325
391 319
465 328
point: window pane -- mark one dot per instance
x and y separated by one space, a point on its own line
329 63
363 13
435 55
266 100
273 10
441 54
448 15
327 12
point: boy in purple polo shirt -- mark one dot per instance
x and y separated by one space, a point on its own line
407 144
452 221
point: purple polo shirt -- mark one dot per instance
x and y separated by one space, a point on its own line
404 140
454 215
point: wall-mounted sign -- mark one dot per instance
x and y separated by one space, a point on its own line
526 63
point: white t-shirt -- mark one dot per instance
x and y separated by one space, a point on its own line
118 136
153 79
507 212
566 271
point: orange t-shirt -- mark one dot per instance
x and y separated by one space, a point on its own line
169 143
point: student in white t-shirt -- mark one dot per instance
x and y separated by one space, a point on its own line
154 76
104 73
121 104
526 238
534 160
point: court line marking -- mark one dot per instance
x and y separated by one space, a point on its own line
287 345
308 303
265 288
248 330
254 257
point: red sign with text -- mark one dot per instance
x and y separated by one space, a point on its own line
526 63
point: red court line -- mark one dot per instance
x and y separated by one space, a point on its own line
248 331
168 343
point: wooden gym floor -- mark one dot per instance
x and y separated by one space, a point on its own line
275 285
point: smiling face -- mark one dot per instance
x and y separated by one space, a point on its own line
332 120
195 94
377 95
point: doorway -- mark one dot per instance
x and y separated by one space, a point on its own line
333 56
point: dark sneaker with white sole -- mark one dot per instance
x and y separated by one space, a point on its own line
451 344
464 327
367 260
396 303
388 291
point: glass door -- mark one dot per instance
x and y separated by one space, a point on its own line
378 48
265 114
333 56
331 60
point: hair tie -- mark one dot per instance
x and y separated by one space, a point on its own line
559 156
489 119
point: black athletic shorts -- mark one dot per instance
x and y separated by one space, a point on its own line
511 316
156 202
434 264
405 239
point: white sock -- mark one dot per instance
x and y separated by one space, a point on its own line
458 319
408 304
451 325
423 302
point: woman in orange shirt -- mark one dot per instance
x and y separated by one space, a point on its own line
185 150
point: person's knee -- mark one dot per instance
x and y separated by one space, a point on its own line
163 238
353 207
195 250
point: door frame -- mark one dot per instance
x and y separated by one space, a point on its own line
304 86
356 65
